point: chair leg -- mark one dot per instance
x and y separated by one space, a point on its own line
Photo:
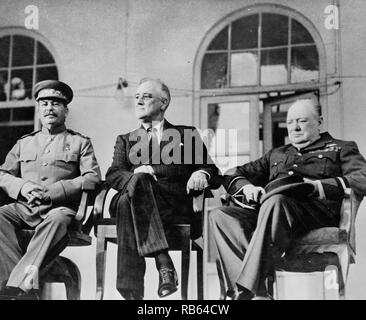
186 251
199 274
100 265
73 287
221 279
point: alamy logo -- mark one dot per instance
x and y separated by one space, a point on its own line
31 21
332 17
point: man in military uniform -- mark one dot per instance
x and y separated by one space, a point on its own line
244 236
44 175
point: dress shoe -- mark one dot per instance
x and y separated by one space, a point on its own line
168 281
131 295
14 293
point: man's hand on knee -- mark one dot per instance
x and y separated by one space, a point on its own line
146 169
253 193
197 182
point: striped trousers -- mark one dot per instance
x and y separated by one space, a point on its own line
142 210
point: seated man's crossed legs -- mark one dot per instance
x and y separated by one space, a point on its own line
250 242
143 210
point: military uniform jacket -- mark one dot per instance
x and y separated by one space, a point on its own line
63 162
335 163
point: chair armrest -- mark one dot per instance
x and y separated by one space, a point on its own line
99 203
346 212
82 206
199 200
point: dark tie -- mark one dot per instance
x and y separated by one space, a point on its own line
154 147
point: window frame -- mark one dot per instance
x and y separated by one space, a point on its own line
18 31
258 9
198 93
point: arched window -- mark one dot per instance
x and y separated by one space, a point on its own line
262 49
24 60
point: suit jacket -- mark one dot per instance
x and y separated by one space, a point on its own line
336 163
180 153
63 162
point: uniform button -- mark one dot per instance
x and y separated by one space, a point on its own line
299 154
44 178
45 164
50 139
320 156
295 165
47 151
290 173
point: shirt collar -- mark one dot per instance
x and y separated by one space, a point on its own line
157 125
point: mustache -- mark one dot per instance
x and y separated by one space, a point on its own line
49 114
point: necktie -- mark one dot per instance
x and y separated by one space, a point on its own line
154 148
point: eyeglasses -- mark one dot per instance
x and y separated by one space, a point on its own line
147 97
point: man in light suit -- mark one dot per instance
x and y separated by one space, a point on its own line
250 241
43 176
154 169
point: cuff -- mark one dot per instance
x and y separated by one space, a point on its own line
320 190
205 172
57 192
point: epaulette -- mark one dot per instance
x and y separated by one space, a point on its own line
77 133
30 134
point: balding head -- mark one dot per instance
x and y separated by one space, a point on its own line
304 122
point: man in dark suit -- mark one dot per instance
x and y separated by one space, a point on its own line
249 241
154 169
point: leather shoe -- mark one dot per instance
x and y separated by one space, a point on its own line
14 293
168 281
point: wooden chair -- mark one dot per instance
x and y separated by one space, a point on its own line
182 237
318 251
55 268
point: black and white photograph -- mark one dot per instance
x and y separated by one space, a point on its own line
182 150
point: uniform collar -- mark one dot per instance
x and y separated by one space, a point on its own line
55 130
324 139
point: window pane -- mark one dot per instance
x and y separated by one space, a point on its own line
21 84
8 137
274 66
304 64
21 114
299 34
221 41
4 51
274 30
23 51
43 55
244 33
5 114
47 73
244 68
3 85
214 69
221 120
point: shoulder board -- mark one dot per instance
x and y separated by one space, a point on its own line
77 133
30 134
